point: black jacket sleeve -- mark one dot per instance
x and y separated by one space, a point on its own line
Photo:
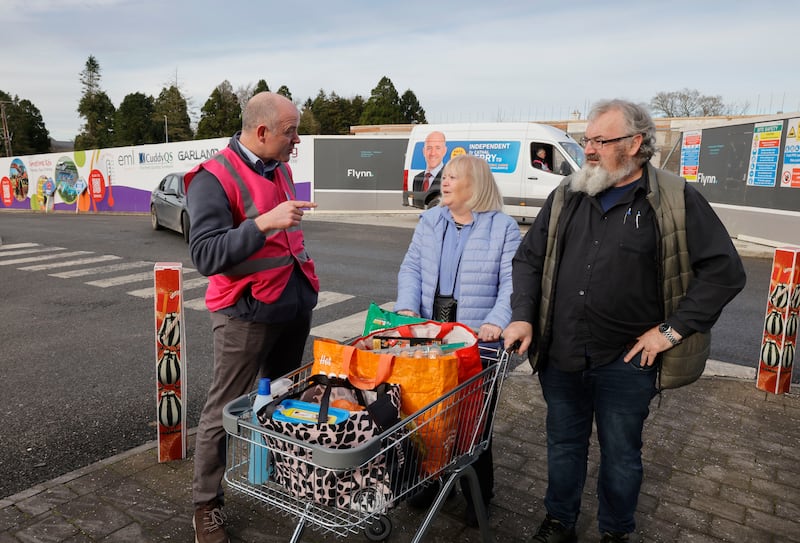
718 271
215 243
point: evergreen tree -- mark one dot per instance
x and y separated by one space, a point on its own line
26 128
135 124
308 123
221 115
412 111
96 107
334 114
284 91
173 105
261 86
383 105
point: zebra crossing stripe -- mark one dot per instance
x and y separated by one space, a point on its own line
198 304
345 328
125 279
340 329
31 251
78 262
326 298
42 257
17 246
122 280
122 266
187 284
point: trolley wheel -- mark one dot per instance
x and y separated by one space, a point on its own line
379 529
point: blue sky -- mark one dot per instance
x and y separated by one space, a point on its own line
465 61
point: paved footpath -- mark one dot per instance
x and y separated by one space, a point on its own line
722 463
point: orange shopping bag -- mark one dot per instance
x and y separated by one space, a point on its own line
423 381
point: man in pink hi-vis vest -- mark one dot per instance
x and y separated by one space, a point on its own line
246 237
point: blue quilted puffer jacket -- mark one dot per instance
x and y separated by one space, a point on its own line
485 270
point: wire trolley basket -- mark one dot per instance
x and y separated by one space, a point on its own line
370 478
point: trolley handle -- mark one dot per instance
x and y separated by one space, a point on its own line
232 411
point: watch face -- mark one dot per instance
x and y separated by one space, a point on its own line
663 327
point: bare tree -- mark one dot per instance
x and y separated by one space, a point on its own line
711 106
690 103
665 104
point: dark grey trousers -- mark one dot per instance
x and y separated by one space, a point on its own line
243 352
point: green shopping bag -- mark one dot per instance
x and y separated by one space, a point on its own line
380 319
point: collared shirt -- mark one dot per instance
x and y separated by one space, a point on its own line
435 171
608 284
266 169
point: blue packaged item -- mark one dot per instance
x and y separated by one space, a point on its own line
259 469
305 412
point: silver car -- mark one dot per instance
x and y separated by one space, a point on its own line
168 205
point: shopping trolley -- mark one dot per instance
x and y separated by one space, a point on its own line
468 410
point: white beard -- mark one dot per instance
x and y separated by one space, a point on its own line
595 179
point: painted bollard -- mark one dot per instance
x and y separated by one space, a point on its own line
779 341
170 361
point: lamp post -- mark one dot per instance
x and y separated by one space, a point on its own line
166 130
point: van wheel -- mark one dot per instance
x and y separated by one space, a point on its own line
433 202
154 218
185 226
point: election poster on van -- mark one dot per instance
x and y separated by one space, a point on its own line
764 152
790 170
500 155
690 154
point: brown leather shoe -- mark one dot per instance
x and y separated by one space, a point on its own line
209 524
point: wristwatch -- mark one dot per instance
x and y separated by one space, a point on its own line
667 331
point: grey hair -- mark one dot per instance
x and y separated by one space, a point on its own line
637 120
486 194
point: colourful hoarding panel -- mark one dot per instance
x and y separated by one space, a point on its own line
690 154
790 169
764 153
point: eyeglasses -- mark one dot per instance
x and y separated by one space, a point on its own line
598 142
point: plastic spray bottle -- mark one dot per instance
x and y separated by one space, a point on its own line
259 468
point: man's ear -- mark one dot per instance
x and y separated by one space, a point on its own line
261 132
636 145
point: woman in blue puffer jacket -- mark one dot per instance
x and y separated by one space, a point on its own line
463 249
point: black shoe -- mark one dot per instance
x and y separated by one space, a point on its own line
554 531
614 537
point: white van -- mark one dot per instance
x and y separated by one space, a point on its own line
511 151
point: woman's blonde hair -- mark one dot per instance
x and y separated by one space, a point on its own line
486 194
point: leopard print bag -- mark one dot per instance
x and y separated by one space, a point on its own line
367 488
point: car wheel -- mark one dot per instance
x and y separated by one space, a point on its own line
185 226
154 218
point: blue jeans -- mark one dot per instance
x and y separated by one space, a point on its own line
617 396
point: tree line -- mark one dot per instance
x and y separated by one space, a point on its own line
143 119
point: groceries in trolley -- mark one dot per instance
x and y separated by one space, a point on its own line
367 424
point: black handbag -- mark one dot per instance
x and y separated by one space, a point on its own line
444 308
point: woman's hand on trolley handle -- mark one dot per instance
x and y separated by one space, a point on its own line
517 337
